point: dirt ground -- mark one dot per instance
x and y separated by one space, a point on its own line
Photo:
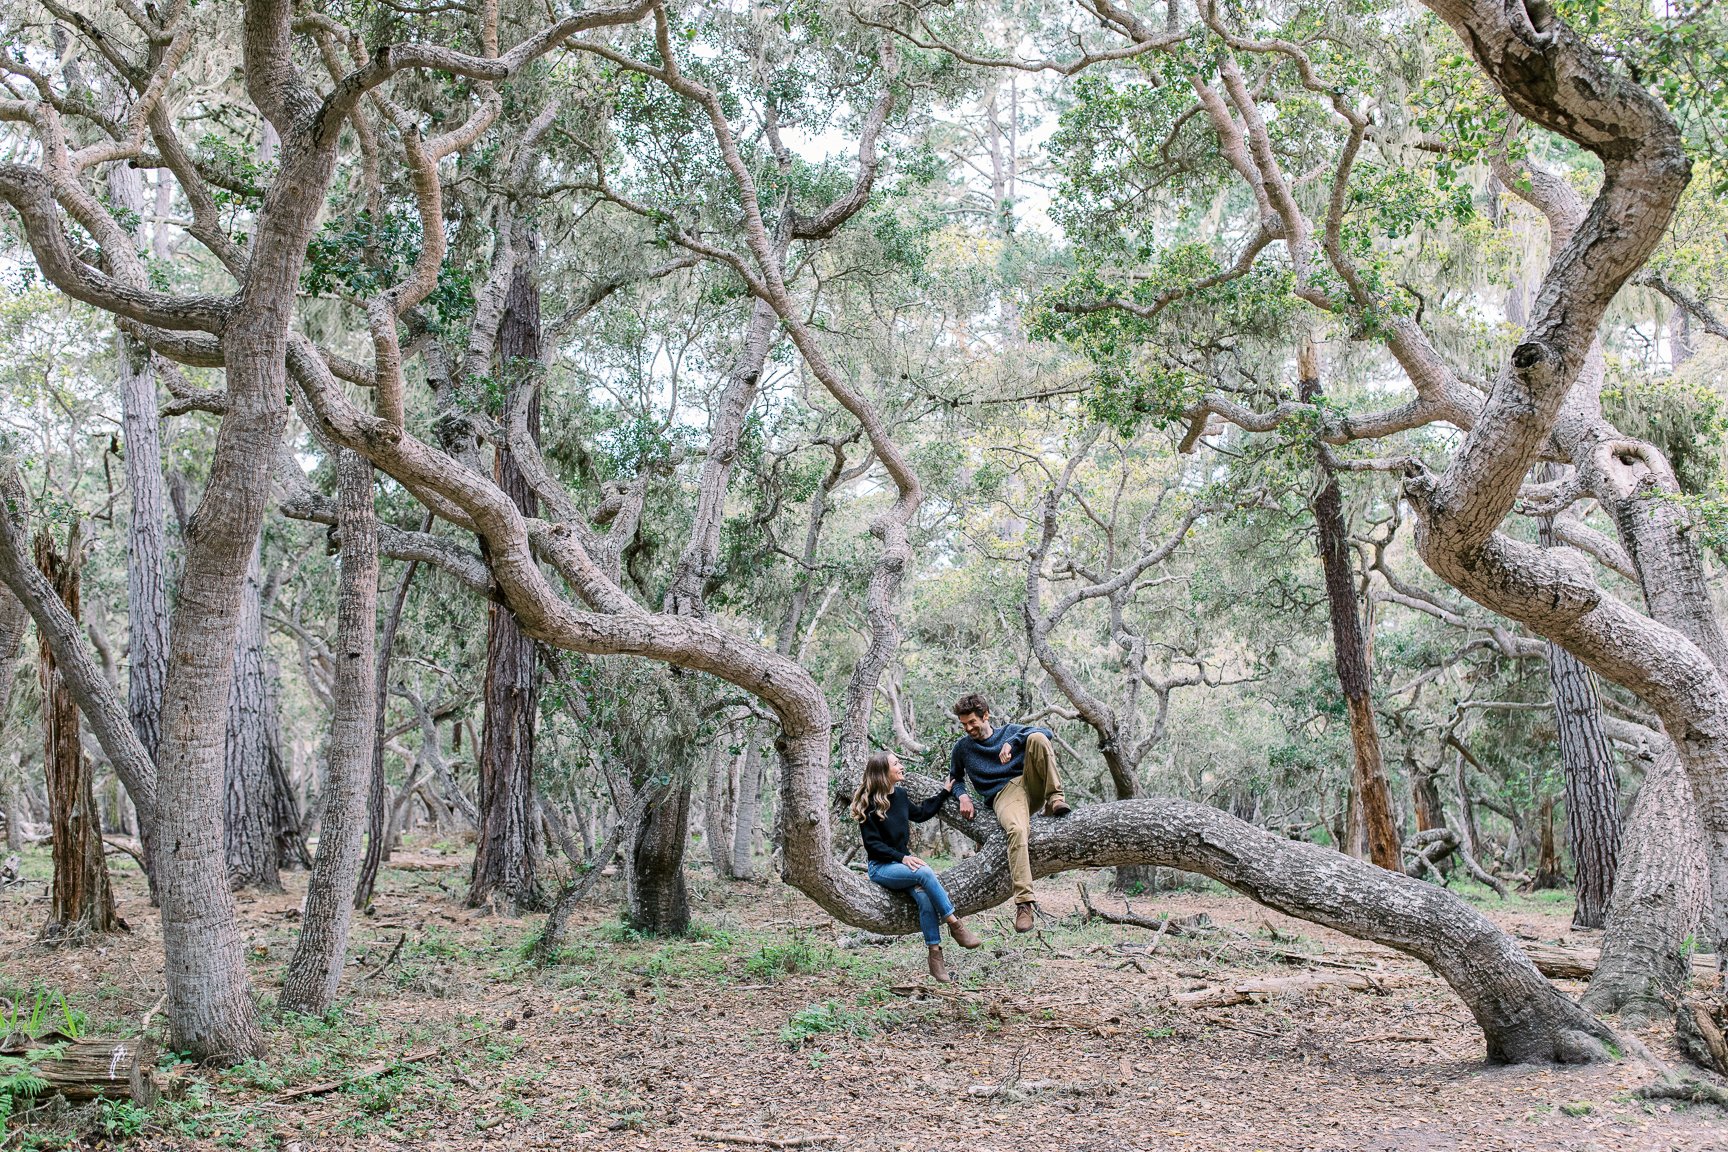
763 1030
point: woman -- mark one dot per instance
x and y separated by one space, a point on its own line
885 814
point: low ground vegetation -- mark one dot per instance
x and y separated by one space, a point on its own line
771 1022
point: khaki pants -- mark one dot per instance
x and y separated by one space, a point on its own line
1017 801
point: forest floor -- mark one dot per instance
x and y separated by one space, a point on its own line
760 1028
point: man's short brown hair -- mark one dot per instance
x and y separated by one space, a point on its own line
971 704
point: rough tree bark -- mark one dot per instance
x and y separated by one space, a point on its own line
255 814
315 970
147 518
1373 831
82 901
1661 893
507 855
1592 784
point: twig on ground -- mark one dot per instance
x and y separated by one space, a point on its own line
764 1141
327 1086
388 960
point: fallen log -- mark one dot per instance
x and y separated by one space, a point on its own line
92 1068
1165 925
1558 962
1261 988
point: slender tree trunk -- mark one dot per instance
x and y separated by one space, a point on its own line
1661 892
748 810
1373 798
1592 784
720 806
377 843
315 971
507 857
252 804
147 520
1547 873
83 901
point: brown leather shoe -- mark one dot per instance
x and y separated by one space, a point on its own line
938 970
963 935
1023 916
1056 806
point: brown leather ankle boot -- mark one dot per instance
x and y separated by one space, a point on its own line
963 935
938 970
1023 916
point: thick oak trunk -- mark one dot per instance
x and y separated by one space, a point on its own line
82 901
315 970
1661 891
659 899
507 856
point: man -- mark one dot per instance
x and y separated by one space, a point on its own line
1013 769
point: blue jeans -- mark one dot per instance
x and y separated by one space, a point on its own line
934 907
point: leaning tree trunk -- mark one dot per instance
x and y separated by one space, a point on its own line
82 902
507 857
1372 798
1661 891
253 806
315 971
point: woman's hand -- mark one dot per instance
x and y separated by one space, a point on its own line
913 862
949 786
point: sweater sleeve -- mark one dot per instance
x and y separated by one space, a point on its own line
956 771
922 811
876 846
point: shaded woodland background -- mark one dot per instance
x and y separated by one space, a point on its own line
580 438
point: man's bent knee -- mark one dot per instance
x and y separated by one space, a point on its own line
1036 739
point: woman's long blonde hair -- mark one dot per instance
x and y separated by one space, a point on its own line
874 790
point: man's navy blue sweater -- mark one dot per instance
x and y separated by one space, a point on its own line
978 763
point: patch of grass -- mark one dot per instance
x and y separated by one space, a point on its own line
1578 1108
800 955
826 1018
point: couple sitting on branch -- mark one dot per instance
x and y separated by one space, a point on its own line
1011 768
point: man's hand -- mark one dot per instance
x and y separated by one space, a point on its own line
913 862
1007 753
966 808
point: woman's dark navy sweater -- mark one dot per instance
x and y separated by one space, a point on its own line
887 838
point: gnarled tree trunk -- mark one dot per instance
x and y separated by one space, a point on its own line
315 971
